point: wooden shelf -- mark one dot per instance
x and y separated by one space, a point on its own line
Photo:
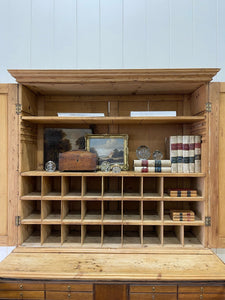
113 120
110 174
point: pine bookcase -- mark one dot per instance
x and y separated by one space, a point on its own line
116 226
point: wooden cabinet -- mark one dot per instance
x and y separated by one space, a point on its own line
108 210
114 226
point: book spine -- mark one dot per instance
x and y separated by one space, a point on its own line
173 153
197 153
152 163
152 169
180 154
192 154
186 141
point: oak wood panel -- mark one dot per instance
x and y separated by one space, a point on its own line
110 292
69 295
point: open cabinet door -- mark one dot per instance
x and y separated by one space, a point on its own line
217 165
8 164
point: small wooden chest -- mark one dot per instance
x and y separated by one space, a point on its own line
77 161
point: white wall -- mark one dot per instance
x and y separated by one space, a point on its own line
47 34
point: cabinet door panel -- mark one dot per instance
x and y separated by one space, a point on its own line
110 292
68 295
152 296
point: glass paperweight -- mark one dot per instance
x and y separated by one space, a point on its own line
50 166
105 166
116 168
157 155
143 152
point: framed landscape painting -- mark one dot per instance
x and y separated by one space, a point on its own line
112 148
59 140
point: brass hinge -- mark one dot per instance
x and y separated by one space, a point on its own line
17 220
207 221
18 108
208 106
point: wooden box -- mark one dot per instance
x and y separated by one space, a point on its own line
77 161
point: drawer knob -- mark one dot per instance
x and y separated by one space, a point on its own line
202 289
153 289
69 287
21 286
201 296
69 295
21 295
153 297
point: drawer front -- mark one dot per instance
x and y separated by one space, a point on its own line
69 296
69 287
20 286
37 295
152 296
153 288
202 289
201 297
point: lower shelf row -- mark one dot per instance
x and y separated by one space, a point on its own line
37 211
112 236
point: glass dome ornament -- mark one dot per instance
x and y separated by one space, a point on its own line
105 166
116 168
157 155
143 152
50 166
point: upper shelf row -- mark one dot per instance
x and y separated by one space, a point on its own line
113 120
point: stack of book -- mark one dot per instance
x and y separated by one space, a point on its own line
185 153
182 215
182 193
152 166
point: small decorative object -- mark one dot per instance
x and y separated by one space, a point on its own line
50 166
77 160
157 155
143 152
116 168
112 148
105 166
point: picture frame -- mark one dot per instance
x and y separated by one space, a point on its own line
112 148
59 140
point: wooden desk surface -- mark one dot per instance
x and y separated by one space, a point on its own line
112 266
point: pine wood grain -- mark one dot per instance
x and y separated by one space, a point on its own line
112 266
